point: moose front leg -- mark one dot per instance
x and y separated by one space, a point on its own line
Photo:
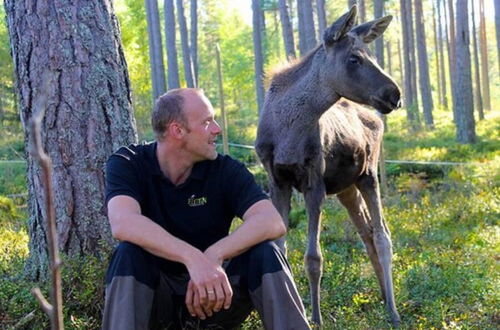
281 195
369 188
314 198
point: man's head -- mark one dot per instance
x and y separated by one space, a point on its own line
186 117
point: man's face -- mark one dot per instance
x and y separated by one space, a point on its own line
202 128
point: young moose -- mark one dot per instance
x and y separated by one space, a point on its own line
308 141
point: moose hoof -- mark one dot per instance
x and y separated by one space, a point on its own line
395 321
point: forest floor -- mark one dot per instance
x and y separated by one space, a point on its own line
443 219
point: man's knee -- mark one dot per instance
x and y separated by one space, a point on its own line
264 258
131 260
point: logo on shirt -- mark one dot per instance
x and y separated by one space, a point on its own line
193 201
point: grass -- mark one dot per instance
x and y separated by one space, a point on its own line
444 224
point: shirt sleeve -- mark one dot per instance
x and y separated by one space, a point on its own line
241 190
122 177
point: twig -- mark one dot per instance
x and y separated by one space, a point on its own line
25 319
54 311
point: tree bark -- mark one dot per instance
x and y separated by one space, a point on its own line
173 67
389 58
88 115
451 53
320 8
423 64
302 28
257 48
155 48
462 101
413 61
408 72
194 38
378 12
484 57
436 53
309 24
186 53
361 11
478 99
444 99
287 31
497 25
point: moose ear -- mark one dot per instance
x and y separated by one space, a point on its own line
340 27
370 31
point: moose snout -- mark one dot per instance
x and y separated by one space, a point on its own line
387 99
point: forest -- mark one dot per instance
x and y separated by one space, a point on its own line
93 69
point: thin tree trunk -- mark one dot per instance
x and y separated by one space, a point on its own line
173 67
436 52
186 53
309 24
362 11
408 73
320 7
225 142
413 61
378 12
497 25
257 48
423 64
478 99
451 54
463 101
302 28
389 58
88 115
444 100
401 64
286 28
484 57
194 38
155 48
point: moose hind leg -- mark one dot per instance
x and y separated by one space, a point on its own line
369 188
281 195
352 200
314 199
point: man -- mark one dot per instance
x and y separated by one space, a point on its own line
171 204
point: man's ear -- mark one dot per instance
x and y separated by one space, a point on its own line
340 27
176 130
370 31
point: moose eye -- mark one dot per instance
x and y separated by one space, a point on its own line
354 59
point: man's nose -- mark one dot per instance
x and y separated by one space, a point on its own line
216 128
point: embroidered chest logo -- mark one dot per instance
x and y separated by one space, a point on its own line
193 201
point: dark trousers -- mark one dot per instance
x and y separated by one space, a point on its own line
142 292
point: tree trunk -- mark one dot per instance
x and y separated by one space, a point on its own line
378 12
286 28
361 11
309 24
444 99
173 67
478 99
194 38
484 57
463 101
401 64
408 73
302 28
320 7
257 49
436 52
451 53
497 25
389 58
88 115
413 61
155 48
423 64
186 53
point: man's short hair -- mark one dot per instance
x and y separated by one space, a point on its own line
169 108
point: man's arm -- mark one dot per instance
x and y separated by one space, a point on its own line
128 224
261 222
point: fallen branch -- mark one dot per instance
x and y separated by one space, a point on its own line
54 310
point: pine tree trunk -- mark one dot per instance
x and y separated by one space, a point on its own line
389 58
309 24
194 38
413 61
88 115
408 73
320 8
186 53
478 99
463 101
155 48
378 11
173 67
497 25
286 28
436 53
361 11
401 64
451 53
444 99
484 57
257 48
423 64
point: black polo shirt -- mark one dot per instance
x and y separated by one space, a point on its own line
200 210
